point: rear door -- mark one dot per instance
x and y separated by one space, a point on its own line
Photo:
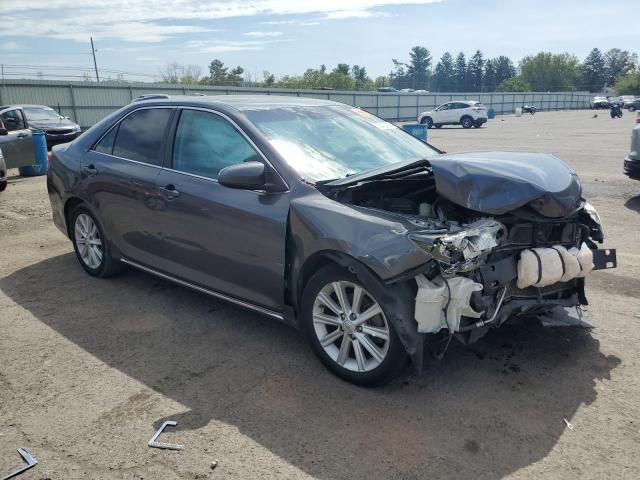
119 180
228 240
17 145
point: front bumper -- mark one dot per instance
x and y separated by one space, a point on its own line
58 138
632 168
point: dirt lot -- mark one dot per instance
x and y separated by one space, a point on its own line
89 368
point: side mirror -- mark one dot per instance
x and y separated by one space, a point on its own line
4 131
247 176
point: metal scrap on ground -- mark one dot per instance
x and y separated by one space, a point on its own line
27 457
167 446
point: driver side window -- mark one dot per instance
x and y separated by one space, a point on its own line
13 120
205 143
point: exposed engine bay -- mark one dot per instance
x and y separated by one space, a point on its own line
486 268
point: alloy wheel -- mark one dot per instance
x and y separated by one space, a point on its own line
351 326
88 241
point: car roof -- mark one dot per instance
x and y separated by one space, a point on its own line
242 102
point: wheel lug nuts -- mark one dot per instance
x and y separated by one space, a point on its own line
353 316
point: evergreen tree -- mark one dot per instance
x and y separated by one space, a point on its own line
490 76
593 71
476 69
460 72
444 76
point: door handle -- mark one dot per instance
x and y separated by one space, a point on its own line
90 170
171 192
22 135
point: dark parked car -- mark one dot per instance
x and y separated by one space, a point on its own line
632 162
330 219
599 103
632 105
57 128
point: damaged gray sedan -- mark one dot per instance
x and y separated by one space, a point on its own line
330 219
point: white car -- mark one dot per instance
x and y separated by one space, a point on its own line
468 113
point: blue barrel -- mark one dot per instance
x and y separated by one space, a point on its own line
418 130
42 163
491 114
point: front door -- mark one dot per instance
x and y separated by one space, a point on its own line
228 240
119 179
17 145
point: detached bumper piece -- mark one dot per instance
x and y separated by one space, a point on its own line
603 259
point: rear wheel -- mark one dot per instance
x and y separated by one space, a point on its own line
477 124
90 244
466 122
3 186
427 121
438 125
348 329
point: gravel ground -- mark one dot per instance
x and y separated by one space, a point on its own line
90 368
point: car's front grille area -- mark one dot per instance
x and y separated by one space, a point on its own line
65 131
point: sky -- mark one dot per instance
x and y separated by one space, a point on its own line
289 36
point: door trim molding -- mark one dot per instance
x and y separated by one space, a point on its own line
250 306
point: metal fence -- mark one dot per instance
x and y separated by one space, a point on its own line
87 102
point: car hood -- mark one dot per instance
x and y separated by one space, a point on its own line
494 182
63 123
498 182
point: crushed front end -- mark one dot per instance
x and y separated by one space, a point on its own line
505 235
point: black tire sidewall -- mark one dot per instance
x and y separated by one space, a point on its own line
427 121
96 272
3 186
396 358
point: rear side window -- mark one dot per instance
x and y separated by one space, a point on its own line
141 135
206 143
105 145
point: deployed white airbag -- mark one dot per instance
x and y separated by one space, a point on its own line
539 267
431 300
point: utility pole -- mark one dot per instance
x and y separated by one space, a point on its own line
95 65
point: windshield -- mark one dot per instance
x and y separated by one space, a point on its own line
41 113
326 143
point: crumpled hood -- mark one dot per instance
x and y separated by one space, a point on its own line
498 182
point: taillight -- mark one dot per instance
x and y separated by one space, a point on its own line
476 109
49 157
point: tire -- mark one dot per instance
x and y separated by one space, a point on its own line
478 124
466 122
3 186
632 108
96 259
427 121
437 125
371 356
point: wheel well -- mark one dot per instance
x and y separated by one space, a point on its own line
466 116
72 203
321 260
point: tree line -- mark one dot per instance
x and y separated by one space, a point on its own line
542 72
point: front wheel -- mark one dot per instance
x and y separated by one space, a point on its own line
427 121
466 122
349 330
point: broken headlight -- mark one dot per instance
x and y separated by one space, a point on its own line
474 240
593 214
